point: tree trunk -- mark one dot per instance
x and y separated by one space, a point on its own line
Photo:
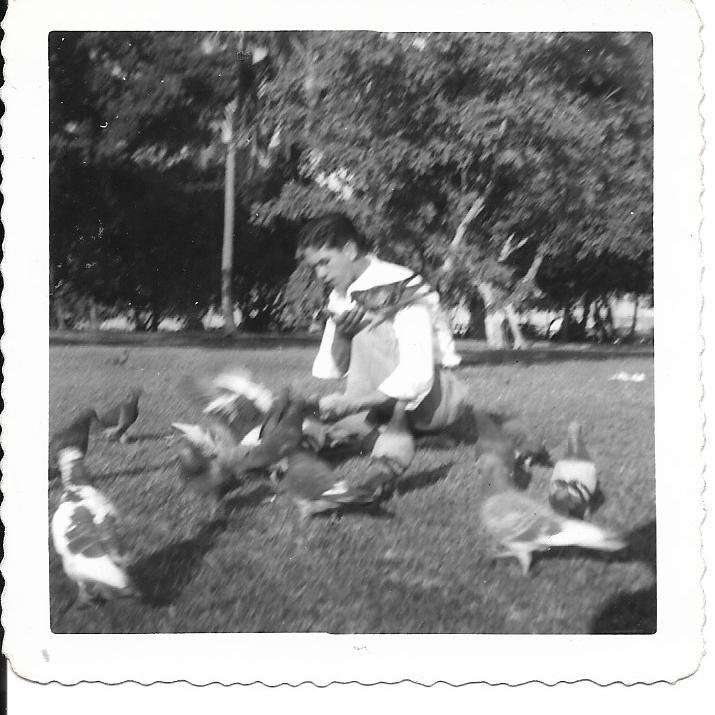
473 212
519 341
610 325
93 316
229 209
494 318
565 326
634 319
584 317
154 320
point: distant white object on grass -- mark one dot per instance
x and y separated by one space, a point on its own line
628 377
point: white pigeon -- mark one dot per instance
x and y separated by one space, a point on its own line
520 526
84 534
574 480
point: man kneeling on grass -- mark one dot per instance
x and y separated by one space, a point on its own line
388 334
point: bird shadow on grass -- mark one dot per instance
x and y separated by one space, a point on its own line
422 480
148 437
163 575
635 612
132 471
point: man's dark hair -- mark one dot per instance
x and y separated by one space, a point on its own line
331 231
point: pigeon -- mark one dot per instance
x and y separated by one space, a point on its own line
118 419
314 487
280 434
76 435
520 525
84 534
392 453
574 480
203 473
233 397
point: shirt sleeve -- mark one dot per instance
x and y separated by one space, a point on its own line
324 366
412 379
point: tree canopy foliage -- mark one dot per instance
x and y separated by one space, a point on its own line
404 132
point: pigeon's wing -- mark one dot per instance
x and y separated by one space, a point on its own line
93 538
239 400
513 517
275 414
283 430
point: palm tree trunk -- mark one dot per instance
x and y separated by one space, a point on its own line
229 210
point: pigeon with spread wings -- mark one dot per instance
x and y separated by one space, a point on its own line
520 526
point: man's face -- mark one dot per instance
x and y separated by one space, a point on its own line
334 267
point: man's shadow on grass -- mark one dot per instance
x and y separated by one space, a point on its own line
162 575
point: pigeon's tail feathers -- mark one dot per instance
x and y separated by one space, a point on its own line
588 536
240 383
131 590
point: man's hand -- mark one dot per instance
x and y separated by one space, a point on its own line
336 406
350 322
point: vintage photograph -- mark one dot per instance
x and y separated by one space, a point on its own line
351 332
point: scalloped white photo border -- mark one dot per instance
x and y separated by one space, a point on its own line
37 654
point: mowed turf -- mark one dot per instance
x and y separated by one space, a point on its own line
422 568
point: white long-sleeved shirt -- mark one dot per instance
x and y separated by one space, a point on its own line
423 336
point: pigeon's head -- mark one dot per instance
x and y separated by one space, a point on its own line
87 417
575 431
575 445
135 392
541 458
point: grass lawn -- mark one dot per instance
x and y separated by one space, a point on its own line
422 570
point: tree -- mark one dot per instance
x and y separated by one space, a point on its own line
137 168
550 134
